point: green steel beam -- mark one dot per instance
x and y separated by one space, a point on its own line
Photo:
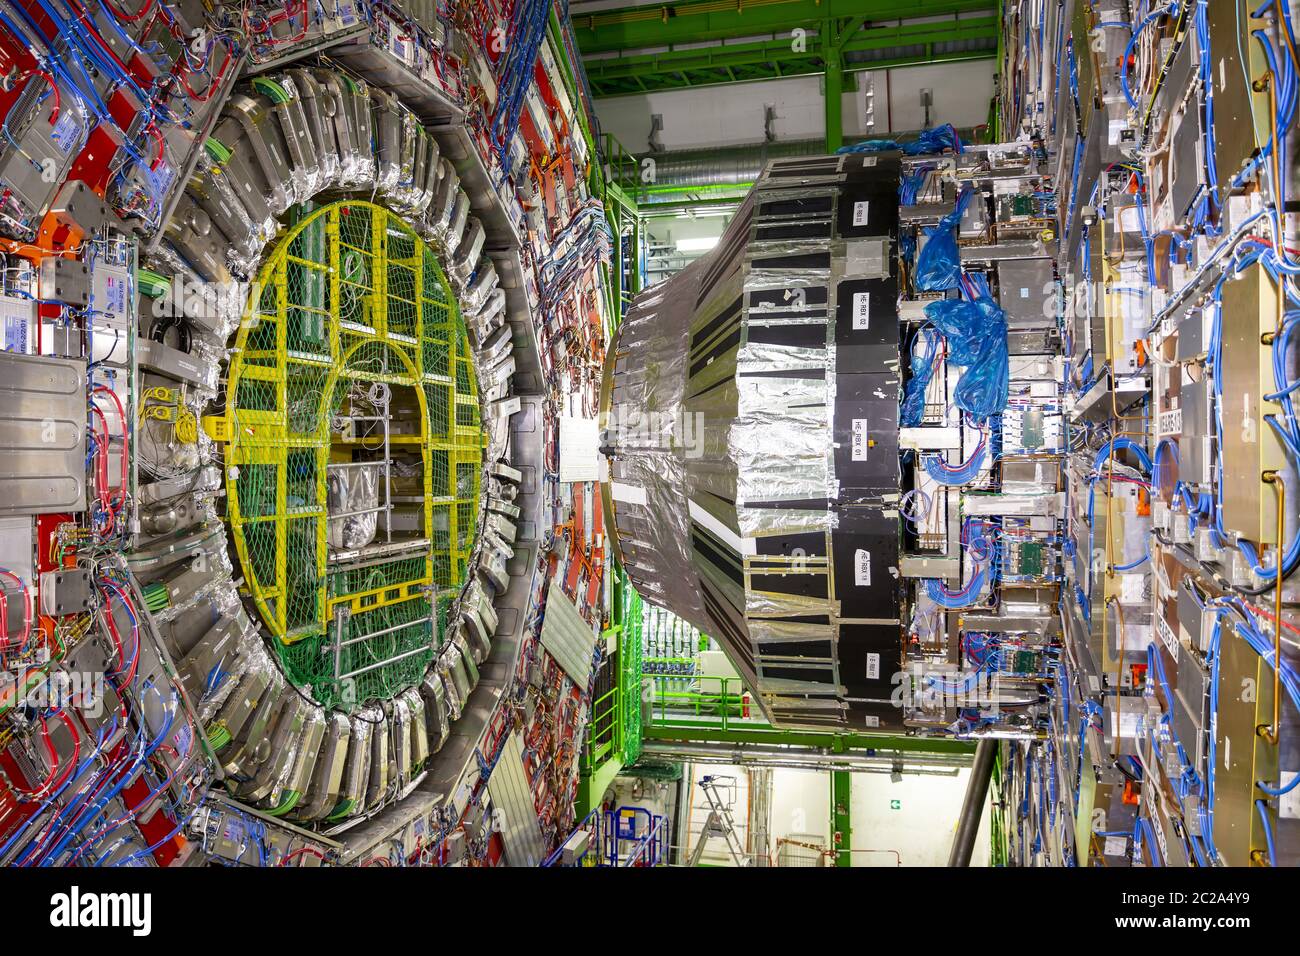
631 28
833 78
841 824
774 59
669 210
839 743
591 787
701 190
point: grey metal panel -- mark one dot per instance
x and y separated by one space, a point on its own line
567 636
1026 288
513 798
42 434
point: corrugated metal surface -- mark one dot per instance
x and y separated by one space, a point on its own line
42 434
567 636
512 797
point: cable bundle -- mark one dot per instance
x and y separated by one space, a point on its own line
528 27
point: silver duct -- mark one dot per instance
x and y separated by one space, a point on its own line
735 165
804 758
728 165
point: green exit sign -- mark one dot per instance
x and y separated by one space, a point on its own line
895 804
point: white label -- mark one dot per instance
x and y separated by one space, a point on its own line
861 310
870 720
862 568
860 439
1167 635
1153 815
873 666
1024 292
860 213
868 161
579 449
1115 846
1288 805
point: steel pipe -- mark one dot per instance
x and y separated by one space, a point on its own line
972 808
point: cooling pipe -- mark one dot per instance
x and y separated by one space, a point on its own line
968 824
804 758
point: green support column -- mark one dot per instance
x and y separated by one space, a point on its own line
834 83
636 254
841 826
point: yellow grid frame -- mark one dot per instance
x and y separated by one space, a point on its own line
266 437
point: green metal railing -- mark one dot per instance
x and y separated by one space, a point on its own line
998 823
711 698
614 730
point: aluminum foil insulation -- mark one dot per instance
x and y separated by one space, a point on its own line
750 419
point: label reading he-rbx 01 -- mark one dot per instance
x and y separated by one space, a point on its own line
862 568
873 666
860 213
861 310
859 439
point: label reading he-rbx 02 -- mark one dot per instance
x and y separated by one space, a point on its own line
860 213
862 568
859 439
873 667
861 310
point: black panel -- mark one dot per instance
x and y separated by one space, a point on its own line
818 166
870 209
806 260
801 585
814 674
791 336
874 167
865 429
811 543
796 504
808 206
866 585
714 556
822 650
804 230
874 715
707 359
730 314
870 657
802 619
866 325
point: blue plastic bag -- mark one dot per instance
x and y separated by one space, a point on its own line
977 341
938 266
933 140
913 406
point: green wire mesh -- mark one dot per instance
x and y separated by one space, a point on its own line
351 304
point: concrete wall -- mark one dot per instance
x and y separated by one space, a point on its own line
919 829
911 821
733 114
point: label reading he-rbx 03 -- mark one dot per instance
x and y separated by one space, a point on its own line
860 213
862 568
859 439
873 667
861 310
